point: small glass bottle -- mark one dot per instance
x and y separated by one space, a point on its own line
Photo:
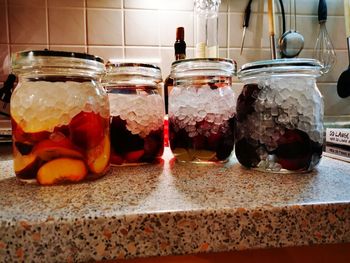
202 110
279 124
206 28
60 117
137 113
180 53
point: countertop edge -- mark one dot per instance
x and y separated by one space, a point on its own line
174 232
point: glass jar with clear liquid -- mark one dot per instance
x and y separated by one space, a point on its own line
279 125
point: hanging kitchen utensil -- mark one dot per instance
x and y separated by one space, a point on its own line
271 14
291 42
246 22
246 19
343 85
324 51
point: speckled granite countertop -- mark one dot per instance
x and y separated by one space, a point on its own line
172 208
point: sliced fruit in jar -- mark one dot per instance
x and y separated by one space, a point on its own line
134 156
61 170
47 150
182 154
87 129
20 135
98 157
204 155
25 166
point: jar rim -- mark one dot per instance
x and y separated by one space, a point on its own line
57 53
131 69
52 61
203 67
281 65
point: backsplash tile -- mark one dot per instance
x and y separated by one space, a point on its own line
33 3
170 21
69 30
144 31
104 3
159 4
27 24
4 62
3 21
142 28
104 27
107 53
66 3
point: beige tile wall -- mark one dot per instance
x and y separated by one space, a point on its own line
144 30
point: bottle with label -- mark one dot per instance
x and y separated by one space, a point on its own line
180 53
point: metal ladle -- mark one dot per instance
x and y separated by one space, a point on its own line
291 42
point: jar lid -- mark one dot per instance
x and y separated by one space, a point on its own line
41 59
281 66
129 69
203 67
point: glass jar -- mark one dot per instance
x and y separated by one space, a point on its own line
202 110
279 124
137 112
60 117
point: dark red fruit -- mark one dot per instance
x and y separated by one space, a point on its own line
178 139
246 153
294 150
198 142
87 129
246 100
213 141
123 141
153 146
224 148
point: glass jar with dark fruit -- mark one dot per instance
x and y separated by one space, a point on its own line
279 124
202 110
137 113
60 117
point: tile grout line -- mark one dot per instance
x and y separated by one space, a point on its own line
228 30
47 25
123 28
86 26
8 31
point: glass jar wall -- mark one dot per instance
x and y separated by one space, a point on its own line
60 117
137 113
280 116
202 110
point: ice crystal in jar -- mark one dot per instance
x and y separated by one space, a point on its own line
137 113
279 124
60 117
202 110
